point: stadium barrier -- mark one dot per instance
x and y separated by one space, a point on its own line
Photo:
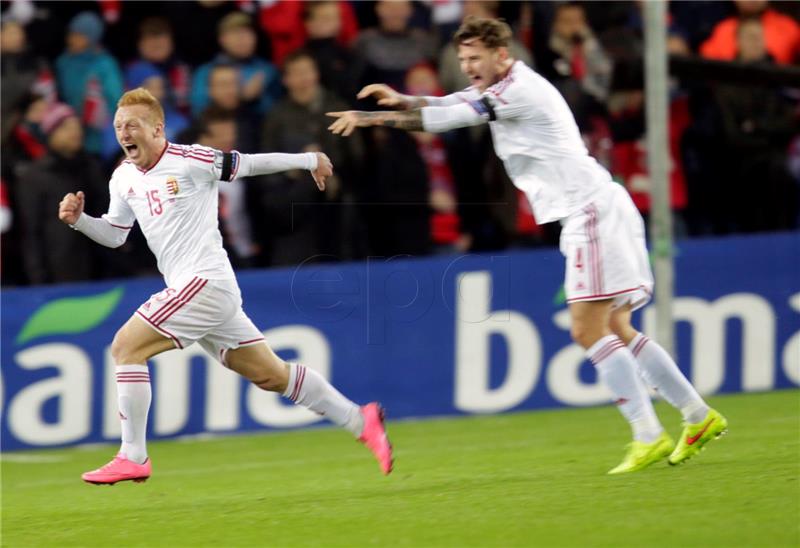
433 336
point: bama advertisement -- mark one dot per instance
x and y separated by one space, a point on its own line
483 333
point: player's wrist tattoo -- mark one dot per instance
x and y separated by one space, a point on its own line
413 102
409 120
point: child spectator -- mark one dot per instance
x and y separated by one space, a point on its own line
89 79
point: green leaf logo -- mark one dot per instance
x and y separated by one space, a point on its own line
70 315
560 298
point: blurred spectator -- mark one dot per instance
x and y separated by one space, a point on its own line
156 48
260 83
148 76
757 126
52 252
697 19
283 22
194 41
25 144
388 51
26 141
450 74
445 224
218 130
394 203
781 33
301 221
89 79
21 73
629 150
446 16
45 23
224 92
323 23
576 63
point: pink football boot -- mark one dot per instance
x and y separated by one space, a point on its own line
119 469
374 436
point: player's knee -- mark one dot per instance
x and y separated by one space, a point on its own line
122 351
585 335
119 348
624 331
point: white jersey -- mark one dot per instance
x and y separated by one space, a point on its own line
534 134
175 203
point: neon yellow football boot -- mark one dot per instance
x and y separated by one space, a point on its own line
695 436
641 455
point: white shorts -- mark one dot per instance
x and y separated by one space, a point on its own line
205 311
606 252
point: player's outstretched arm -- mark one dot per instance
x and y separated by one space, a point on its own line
347 121
387 97
317 163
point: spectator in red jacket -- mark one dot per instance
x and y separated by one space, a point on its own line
283 23
781 33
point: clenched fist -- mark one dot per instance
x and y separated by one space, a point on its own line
70 208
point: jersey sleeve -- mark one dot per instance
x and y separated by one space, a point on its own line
463 96
119 215
505 102
502 101
441 119
208 165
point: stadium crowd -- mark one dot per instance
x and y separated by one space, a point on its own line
258 76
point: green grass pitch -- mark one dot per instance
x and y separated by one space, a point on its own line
521 479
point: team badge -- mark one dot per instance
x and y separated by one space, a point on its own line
172 186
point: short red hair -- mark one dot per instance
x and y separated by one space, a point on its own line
141 96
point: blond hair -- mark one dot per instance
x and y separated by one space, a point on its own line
141 96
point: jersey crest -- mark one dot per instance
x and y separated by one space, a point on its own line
172 185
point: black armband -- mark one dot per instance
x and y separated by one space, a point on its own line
489 108
227 166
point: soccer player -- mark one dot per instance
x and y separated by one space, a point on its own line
607 271
171 190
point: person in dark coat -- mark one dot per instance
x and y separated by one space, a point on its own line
51 252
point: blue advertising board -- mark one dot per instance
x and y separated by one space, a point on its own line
482 333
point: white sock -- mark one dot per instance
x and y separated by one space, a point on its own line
134 395
660 371
616 368
310 389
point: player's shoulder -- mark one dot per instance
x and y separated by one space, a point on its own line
124 168
191 153
125 172
516 85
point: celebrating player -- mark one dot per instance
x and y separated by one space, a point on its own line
607 270
171 190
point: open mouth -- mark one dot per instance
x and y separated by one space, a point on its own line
130 148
